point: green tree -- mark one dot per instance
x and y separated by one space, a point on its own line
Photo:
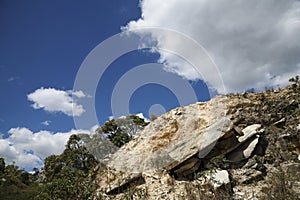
16 184
295 80
52 167
2 165
120 131
68 174
77 156
295 83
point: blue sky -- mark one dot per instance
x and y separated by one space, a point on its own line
43 44
214 48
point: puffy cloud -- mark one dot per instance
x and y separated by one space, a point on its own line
28 149
255 44
53 100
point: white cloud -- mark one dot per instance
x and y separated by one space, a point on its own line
111 118
28 149
140 115
255 44
53 100
13 78
46 123
78 94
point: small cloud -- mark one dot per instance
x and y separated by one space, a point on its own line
78 94
140 115
110 118
46 123
10 79
54 100
13 78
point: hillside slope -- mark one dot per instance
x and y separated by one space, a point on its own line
237 146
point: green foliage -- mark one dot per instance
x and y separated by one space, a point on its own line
219 162
120 131
68 176
16 184
115 134
98 145
2 165
295 83
295 80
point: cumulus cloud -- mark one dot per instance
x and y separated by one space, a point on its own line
28 149
255 44
54 100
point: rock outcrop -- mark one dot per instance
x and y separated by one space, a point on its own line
231 147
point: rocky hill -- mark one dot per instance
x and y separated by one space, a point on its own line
236 146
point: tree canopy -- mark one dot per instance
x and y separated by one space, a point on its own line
67 176
120 131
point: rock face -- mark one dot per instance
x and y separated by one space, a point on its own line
173 138
219 149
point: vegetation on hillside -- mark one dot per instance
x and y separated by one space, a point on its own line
16 183
70 174
64 176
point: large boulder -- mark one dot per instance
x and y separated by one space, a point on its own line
173 138
178 141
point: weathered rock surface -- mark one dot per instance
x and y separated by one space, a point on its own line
241 138
171 139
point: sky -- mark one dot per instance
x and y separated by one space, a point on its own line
67 66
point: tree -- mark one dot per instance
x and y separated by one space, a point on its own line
77 156
120 131
15 183
2 165
52 167
295 80
67 175
295 83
